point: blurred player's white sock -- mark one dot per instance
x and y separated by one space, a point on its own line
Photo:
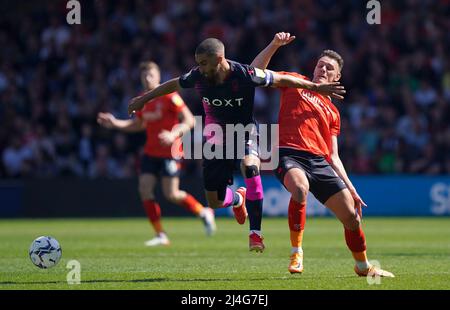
296 250
202 213
163 235
258 232
362 265
207 216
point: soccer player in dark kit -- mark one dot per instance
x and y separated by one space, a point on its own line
227 89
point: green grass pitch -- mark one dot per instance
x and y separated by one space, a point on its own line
113 256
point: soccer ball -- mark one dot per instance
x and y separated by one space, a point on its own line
45 252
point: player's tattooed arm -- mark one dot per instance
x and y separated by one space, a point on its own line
168 87
262 60
334 89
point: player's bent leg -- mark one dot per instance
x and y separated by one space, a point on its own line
171 189
147 184
212 200
297 184
342 205
253 200
225 197
172 192
217 176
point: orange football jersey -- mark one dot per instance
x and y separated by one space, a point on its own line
161 114
307 120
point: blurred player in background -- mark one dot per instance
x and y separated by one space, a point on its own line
227 89
309 159
159 119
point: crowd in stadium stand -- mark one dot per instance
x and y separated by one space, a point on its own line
55 77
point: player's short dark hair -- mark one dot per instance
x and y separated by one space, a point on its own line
148 65
333 55
210 47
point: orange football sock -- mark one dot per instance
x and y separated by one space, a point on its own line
157 226
355 239
192 204
360 256
296 238
356 242
297 220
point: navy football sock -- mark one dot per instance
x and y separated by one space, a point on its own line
254 210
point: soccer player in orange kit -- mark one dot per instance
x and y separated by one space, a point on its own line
309 124
165 120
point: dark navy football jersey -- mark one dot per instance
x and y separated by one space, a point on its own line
232 101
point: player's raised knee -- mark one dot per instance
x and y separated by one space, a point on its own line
251 171
300 192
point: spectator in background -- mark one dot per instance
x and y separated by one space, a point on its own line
104 166
17 158
50 70
86 146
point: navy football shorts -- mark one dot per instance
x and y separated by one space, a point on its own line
323 180
218 173
165 167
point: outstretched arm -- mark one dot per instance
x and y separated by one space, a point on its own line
168 87
262 60
334 89
108 120
338 166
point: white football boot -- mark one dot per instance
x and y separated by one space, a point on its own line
209 221
160 239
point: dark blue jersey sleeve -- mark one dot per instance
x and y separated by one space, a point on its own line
189 79
258 77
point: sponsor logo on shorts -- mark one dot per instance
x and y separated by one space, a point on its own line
171 166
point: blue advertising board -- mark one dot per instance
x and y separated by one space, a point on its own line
384 196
